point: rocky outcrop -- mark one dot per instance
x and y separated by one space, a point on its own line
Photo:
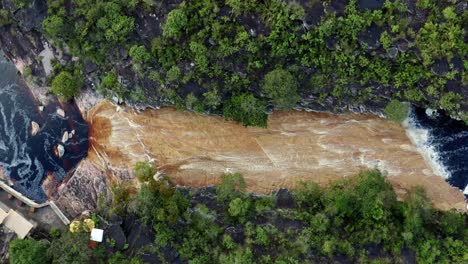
82 191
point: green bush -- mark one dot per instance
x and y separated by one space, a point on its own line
144 171
66 85
281 86
173 74
4 17
53 25
231 184
21 3
175 24
74 248
396 111
28 251
139 54
247 109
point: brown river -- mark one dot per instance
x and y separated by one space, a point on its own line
297 146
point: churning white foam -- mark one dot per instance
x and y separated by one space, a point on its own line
420 138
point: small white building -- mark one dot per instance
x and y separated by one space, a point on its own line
97 234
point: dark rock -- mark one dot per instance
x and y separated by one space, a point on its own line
236 233
284 199
148 26
90 66
392 52
314 15
138 234
32 16
115 233
338 7
370 37
402 45
457 63
440 67
332 42
116 219
171 255
370 4
253 23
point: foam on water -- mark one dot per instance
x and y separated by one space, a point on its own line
26 160
443 142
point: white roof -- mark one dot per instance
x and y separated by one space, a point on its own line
97 234
20 225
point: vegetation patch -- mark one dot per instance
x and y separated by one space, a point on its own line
397 111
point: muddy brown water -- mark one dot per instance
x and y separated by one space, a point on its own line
297 146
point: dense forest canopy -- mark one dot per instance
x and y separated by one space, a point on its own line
198 54
355 220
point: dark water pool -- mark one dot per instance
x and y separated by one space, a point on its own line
27 160
447 142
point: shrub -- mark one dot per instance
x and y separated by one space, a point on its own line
173 73
110 80
230 184
4 17
27 251
74 248
139 54
396 111
281 87
247 109
175 23
53 25
239 208
144 171
21 3
66 85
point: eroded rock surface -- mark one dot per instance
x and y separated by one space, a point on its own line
82 191
195 149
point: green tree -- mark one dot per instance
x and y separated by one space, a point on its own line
4 17
28 251
281 86
66 85
247 109
231 183
53 25
173 74
239 209
139 54
73 248
175 24
396 111
144 171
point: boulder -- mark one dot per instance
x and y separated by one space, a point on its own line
60 112
369 38
34 128
440 67
60 151
65 137
392 52
284 199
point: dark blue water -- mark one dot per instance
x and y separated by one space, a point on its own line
27 160
448 140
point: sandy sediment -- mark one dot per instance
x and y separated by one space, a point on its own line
297 146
